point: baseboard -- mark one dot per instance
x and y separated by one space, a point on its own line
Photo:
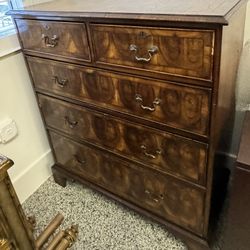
34 176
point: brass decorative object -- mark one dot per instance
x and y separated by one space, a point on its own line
49 230
16 231
31 222
4 244
153 50
68 239
56 240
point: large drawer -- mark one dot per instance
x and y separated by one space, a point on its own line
63 39
174 105
179 52
171 199
169 153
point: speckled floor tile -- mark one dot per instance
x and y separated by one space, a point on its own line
103 223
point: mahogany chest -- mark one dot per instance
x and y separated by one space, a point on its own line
136 97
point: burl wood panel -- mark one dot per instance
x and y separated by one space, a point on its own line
166 197
179 52
64 39
178 106
160 150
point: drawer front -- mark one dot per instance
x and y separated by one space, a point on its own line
179 52
170 104
61 39
173 200
169 153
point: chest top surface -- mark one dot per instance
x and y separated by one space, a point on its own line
214 11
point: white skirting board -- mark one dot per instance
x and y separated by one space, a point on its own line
34 176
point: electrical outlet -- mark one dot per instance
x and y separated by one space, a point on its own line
8 130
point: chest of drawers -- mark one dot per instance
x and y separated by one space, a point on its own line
137 97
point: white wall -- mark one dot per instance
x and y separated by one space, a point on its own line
30 149
247 25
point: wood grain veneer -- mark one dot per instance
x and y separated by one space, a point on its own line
137 97
164 151
178 106
178 52
150 190
49 38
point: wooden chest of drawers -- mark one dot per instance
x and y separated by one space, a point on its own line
136 98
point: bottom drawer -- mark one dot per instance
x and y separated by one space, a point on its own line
166 197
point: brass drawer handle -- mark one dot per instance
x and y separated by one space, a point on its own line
154 197
60 82
78 160
151 156
50 42
153 50
156 102
72 124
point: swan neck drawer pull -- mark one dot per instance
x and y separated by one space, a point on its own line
154 197
78 160
72 124
156 102
153 50
50 42
60 82
148 155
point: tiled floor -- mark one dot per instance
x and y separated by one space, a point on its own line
103 223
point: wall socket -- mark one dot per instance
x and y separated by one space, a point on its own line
8 130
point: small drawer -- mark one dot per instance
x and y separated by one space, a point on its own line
167 152
168 198
65 39
178 52
175 105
